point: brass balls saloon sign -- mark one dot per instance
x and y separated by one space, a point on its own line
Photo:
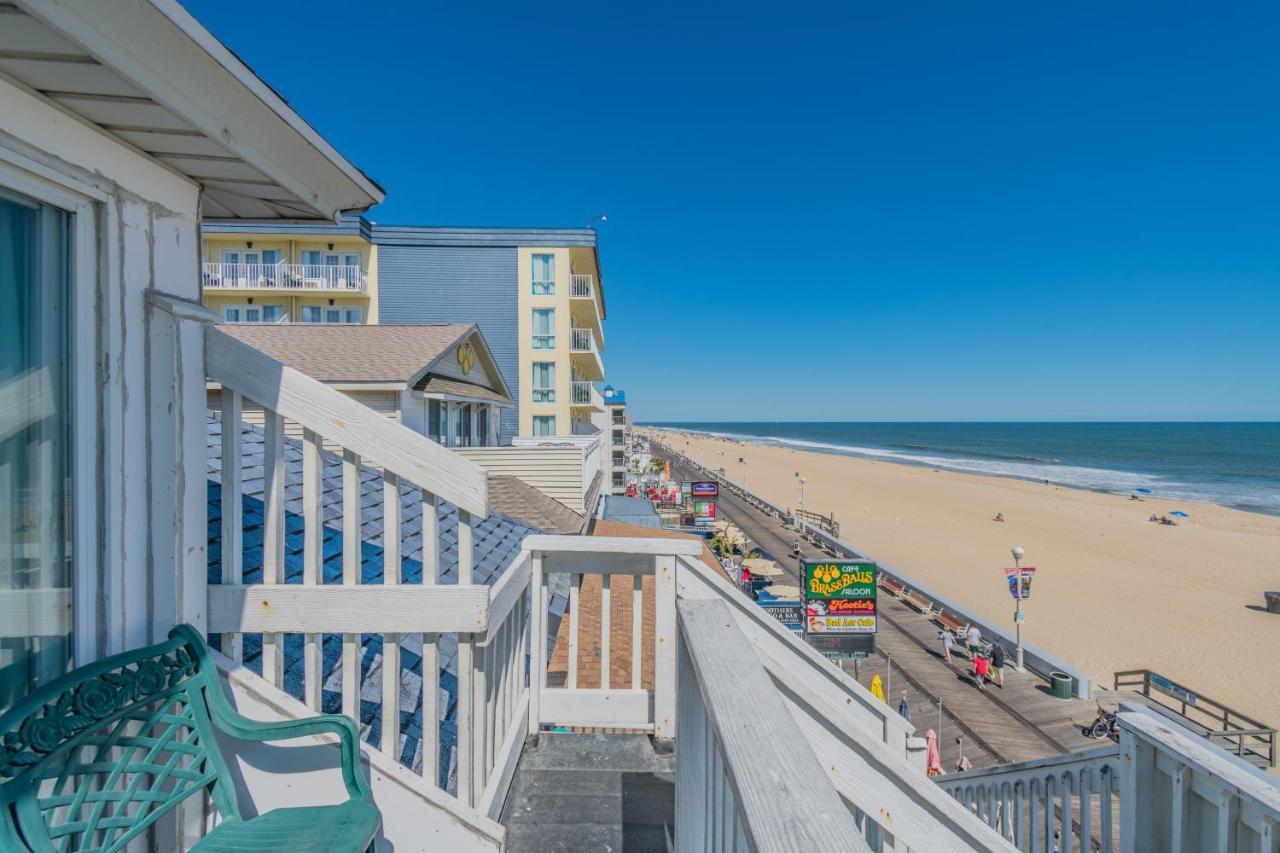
840 596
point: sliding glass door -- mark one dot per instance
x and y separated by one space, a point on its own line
35 445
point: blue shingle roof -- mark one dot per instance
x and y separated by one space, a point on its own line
497 542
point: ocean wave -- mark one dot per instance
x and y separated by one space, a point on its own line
1245 496
981 454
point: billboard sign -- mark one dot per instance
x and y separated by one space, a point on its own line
704 489
840 606
789 613
704 509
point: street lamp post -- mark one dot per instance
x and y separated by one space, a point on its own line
743 460
800 513
1018 554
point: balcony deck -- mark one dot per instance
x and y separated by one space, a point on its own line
591 792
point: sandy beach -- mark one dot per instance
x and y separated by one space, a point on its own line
1112 592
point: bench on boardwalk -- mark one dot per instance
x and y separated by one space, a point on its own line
895 588
919 602
950 620
94 758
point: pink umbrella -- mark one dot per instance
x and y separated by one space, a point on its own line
932 759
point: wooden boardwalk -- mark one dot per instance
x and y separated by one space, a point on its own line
1018 723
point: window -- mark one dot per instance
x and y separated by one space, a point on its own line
435 421
462 424
544 382
544 425
35 445
544 328
252 313
544 275
319 314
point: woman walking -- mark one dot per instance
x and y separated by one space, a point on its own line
948 644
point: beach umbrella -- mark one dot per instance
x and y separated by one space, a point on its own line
762 568
877 689
1179 513
932 758
904 710
784 592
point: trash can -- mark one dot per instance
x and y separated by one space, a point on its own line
1273 601
1061 684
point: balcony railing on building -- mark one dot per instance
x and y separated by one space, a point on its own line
282 276
582 340
581 393
582 286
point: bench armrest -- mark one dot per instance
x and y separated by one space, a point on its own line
239 726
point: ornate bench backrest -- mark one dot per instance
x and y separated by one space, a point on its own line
94 758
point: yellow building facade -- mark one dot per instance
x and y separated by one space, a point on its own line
561 339
266 276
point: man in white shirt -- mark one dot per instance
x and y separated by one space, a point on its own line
974 638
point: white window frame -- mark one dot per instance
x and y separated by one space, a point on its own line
244 308
543 393
551 419
548 342
80 200
539 287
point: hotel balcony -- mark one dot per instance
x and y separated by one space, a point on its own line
291 277
584 396
586 354
582 286
586 304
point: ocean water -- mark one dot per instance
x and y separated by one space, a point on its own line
1230 464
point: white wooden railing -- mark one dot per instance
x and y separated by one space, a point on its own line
561 562
744 777
410 467
581 286
1181 793
282 276
1060 803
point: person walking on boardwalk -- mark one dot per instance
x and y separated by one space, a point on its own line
948 644
997 665
974 636
980 667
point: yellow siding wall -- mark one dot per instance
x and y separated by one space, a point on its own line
528 355
291 249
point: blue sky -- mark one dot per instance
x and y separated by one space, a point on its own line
845 211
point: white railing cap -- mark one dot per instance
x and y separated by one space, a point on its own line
1249 782
639 546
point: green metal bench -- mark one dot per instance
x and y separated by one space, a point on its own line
94 758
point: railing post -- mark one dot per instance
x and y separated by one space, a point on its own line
664 653
232 509
273 534
312 558
430 647
391 574
537 641
466 672
351 554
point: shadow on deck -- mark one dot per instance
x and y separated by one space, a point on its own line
576 792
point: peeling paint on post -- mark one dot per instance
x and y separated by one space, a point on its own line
664 660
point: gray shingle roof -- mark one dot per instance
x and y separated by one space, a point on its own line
353 353
497 538
516 498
